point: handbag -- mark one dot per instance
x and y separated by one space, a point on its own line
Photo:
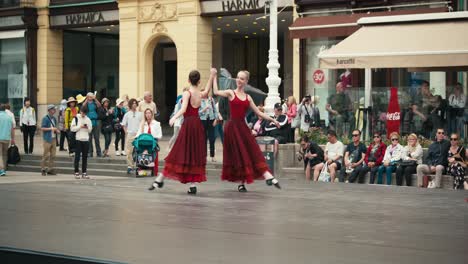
107 129
324 174
117 126
408 163
13 156
296 122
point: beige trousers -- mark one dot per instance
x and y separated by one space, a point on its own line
129 148
48 156
4 144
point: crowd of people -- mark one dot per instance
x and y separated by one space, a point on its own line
355 160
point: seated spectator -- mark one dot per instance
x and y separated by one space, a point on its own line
457 161
333 156
436 160
391 159
258 127
410 159
312 153
373 159
353 158
279 133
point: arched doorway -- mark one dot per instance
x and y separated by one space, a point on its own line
165 77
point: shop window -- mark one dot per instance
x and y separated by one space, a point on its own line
13 73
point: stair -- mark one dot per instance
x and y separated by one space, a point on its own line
116 167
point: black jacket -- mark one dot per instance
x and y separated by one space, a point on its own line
438 153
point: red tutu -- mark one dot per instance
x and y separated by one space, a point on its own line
242 159
187 160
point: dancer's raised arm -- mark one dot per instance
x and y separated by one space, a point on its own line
226 93
209 84
259 113
185 100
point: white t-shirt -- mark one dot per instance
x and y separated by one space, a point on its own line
156 130
334 150
132 121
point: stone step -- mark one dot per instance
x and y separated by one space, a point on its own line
298 174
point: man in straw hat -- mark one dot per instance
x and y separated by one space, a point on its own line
49 134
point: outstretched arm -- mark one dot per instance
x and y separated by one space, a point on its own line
185 100
259 113
209 84
226 93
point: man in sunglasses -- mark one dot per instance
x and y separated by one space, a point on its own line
436 161
353 158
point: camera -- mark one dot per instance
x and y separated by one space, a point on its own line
308 98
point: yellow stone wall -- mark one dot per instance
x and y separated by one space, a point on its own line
49 60
296 72
144 23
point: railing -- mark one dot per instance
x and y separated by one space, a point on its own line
16 3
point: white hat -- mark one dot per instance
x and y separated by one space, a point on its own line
119 101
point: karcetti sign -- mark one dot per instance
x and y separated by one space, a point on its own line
235 6
88 18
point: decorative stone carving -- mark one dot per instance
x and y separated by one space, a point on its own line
159 28
158 12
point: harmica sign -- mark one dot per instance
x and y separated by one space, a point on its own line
81 19
235 6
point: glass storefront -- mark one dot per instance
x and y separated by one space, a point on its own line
421 112
13 72
90 63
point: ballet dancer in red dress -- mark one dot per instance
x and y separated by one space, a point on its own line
187 159
243 161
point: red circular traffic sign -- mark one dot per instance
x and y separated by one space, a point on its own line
318 76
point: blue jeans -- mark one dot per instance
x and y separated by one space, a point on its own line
389 170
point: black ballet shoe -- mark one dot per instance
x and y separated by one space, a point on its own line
241 188
192 190
270 182
156 184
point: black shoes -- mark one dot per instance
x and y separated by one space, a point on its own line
156 184
192 190
274 182
43 172
241 188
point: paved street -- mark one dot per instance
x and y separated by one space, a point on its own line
118 219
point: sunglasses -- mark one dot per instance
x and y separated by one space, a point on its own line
376 136
356 135
394 139
453 139
440 133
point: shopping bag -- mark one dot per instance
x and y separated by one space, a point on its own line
324 174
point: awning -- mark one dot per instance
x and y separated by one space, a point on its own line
342 25
441 43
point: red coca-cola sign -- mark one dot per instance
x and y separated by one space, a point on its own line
318 76
393 113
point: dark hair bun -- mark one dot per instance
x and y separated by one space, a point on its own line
194 77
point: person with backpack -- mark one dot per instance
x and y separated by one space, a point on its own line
81 125
119 112
7 136
70 112
92 104
28 125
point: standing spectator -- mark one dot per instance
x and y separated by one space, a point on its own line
49 135
430 109
291 114
391 159
436 160
28 125
353 158
7 136
219 124
333 156
411 158
130 123
61 125
340 110
8 111
119 112
125 100
178 122
279 133
457 161
304 110
208 114
315 117
147 103
81 125
70 113
107 116
457 102
373 159
93 106
313 155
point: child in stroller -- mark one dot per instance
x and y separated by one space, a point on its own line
146 148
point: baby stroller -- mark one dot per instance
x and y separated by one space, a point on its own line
145 154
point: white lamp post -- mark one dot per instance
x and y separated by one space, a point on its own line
273 80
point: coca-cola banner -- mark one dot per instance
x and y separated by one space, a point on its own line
393 112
